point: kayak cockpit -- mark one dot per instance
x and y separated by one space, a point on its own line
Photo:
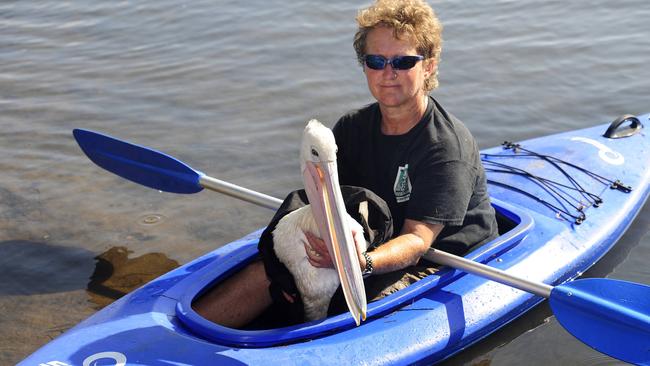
514 225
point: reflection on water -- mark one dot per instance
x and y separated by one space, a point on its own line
116 274
32 268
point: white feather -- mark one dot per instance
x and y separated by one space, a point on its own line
316 285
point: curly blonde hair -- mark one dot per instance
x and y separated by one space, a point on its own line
413 20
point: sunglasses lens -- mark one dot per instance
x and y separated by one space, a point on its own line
404 62
375 62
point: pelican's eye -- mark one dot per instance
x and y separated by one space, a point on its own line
314 152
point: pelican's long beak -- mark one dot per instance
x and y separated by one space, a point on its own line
324 193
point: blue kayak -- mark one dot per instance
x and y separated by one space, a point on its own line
562 202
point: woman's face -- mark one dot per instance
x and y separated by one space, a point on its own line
395 88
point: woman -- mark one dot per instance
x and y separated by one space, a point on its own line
407 149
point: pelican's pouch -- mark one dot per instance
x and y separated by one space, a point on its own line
377 227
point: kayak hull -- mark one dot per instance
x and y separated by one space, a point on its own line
425 323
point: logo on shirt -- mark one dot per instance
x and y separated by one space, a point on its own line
402 186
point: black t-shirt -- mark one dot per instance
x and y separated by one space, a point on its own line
433 173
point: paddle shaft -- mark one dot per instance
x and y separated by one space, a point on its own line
491 273
434 255
241 193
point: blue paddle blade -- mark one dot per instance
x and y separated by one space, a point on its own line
138 164
611 316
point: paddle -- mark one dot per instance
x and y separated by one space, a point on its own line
611 316
157 170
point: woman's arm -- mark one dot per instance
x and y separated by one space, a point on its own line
400 252
406 249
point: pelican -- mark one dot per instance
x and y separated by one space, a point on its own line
325 217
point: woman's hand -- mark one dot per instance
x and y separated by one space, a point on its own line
319 256
317 253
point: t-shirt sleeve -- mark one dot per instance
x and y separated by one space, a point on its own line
441 193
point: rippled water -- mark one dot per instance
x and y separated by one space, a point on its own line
226 86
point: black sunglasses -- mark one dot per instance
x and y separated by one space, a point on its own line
377 62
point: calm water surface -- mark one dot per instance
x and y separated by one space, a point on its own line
227 86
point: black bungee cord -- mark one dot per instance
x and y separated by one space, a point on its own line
561 192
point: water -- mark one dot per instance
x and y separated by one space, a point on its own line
226 86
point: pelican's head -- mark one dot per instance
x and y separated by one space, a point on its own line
320 176
318 145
